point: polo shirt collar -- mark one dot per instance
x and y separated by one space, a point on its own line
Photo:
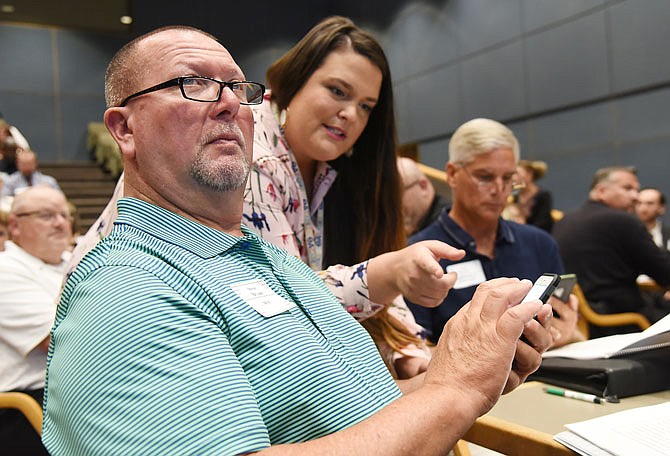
202 240
463 240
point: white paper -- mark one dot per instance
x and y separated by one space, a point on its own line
640 431
261 298
606 347
469 273
580 445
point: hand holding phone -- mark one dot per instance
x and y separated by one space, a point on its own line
542 289
564 288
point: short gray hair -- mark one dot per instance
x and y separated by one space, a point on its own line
480 136
605 174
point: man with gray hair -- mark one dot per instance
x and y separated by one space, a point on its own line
608 247
481 173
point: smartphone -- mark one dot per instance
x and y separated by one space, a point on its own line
543 288
565 287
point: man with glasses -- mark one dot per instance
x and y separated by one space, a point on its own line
481 173
182 332
31 273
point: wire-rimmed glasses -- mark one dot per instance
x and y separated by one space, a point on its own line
488 182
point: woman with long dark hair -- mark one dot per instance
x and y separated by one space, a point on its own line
324 184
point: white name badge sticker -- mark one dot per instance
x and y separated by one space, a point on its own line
261 298
470 273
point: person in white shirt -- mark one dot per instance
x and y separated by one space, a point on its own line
31 273
649 208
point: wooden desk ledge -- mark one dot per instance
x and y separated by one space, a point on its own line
513 439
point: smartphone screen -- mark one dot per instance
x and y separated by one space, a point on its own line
543 287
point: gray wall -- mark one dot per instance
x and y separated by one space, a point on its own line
583 83
51 86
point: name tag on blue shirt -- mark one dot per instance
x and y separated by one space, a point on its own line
261 298
470 273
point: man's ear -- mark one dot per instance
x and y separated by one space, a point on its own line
116 121
450 170
12 226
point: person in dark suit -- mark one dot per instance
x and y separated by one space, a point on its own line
607 246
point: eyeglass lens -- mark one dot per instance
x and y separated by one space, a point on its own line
202 89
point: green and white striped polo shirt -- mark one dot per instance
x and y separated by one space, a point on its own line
154 352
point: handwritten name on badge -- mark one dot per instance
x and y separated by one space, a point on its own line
261 298
470 273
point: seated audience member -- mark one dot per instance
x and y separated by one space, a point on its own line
27 175
535 202
10 131
283 206
481 173
8 149
217 342
513 212
608 247
4 230
31 273
421 204
649 208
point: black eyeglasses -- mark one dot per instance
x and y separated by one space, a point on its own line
208 90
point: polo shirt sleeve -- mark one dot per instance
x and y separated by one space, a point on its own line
135 368
26 310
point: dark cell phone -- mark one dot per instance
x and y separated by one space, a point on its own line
543 287
565 287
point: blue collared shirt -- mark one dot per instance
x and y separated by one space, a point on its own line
521 251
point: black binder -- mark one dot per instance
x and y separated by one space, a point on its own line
639 373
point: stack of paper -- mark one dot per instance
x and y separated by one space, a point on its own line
639 431
656 336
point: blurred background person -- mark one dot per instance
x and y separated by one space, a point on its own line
8 150
10 131
31 272
421 204
650 208
4 231
26 175
534 202
481 172
608 247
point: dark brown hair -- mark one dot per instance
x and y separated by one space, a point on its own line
363 207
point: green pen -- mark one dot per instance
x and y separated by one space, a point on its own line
574 395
